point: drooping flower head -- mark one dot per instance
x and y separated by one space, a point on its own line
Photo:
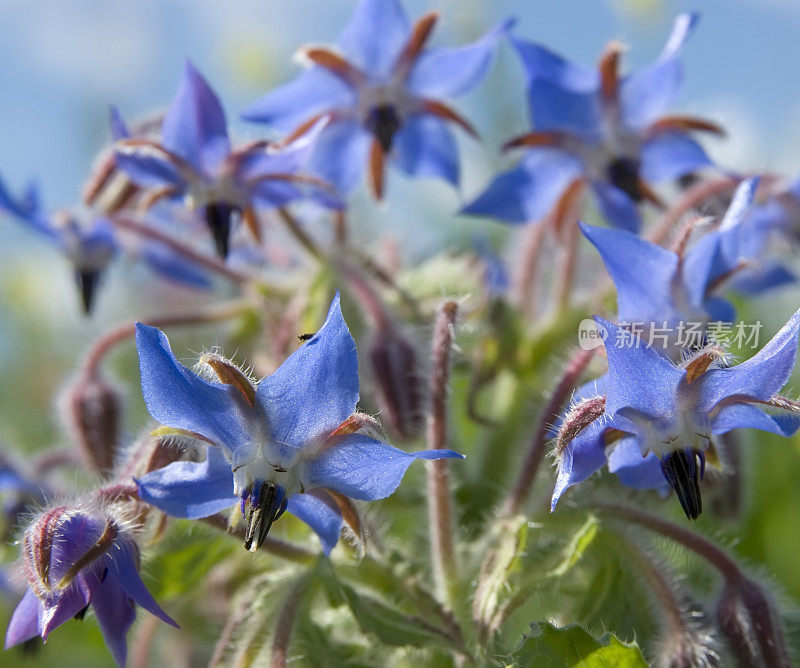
658 415
597 127
74 558
383 91
293 441
194 162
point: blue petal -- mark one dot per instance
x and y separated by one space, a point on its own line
634 470
766 277
178 398
362 468
67 603
24 623
647 94
747 416
119 130
124 568
555 108
341 154
580 459
701 266
190 489
760 377
639 377
528 192
741 204
27 209
541 63
115 615
375 35
617 208
194 126
670 155
424 146
642 273
440 73
148 169
316 388
293 103
324 518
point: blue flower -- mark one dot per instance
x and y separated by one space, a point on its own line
291 442
75 558
194 162
382 90
662 415
597 127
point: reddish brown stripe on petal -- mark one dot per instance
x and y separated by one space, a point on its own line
566 207
251 223
95 552
448 114
151 197
230 375
335 64
377 167
98 179
304 127
684 123
534 139
609 70
416 43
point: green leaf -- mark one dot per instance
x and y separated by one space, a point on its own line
580 542
548 646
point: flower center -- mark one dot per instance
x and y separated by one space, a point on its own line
684 469
623 172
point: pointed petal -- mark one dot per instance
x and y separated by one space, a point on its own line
741 204
190 489
341 154
178 398
443 73
119 129
617 208
634 470
124 569
424 146
642 273
316 388
148 168
325 519
362 468
68 603
292 103
701 266
375 35
541 63
194 126
670 155
581 458
647 94
555 108
115 614
169 265
747 416
24 623
528 192
638 377
760 377
766 277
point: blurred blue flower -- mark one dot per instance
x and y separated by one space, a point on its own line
669 413
382 90
75 558
292 442
194 162
596 127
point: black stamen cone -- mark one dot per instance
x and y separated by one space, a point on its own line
270 506
87 281
682 472
219 216
624 174
383 122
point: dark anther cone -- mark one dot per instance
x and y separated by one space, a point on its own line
87 281
218 218
684 470
624 174
383 122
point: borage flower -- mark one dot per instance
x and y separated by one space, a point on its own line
597 127
382 90
669 413
195 163
74 558
293 441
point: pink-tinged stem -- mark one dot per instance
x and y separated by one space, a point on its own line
283 631
123 332
561 394
212 263
565 274
525 286
302 237
440 505
692 199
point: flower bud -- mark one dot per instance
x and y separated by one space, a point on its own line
396 375
92 412
748 618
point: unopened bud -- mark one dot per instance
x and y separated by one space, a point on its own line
749 620
92 413
580 416
396 375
